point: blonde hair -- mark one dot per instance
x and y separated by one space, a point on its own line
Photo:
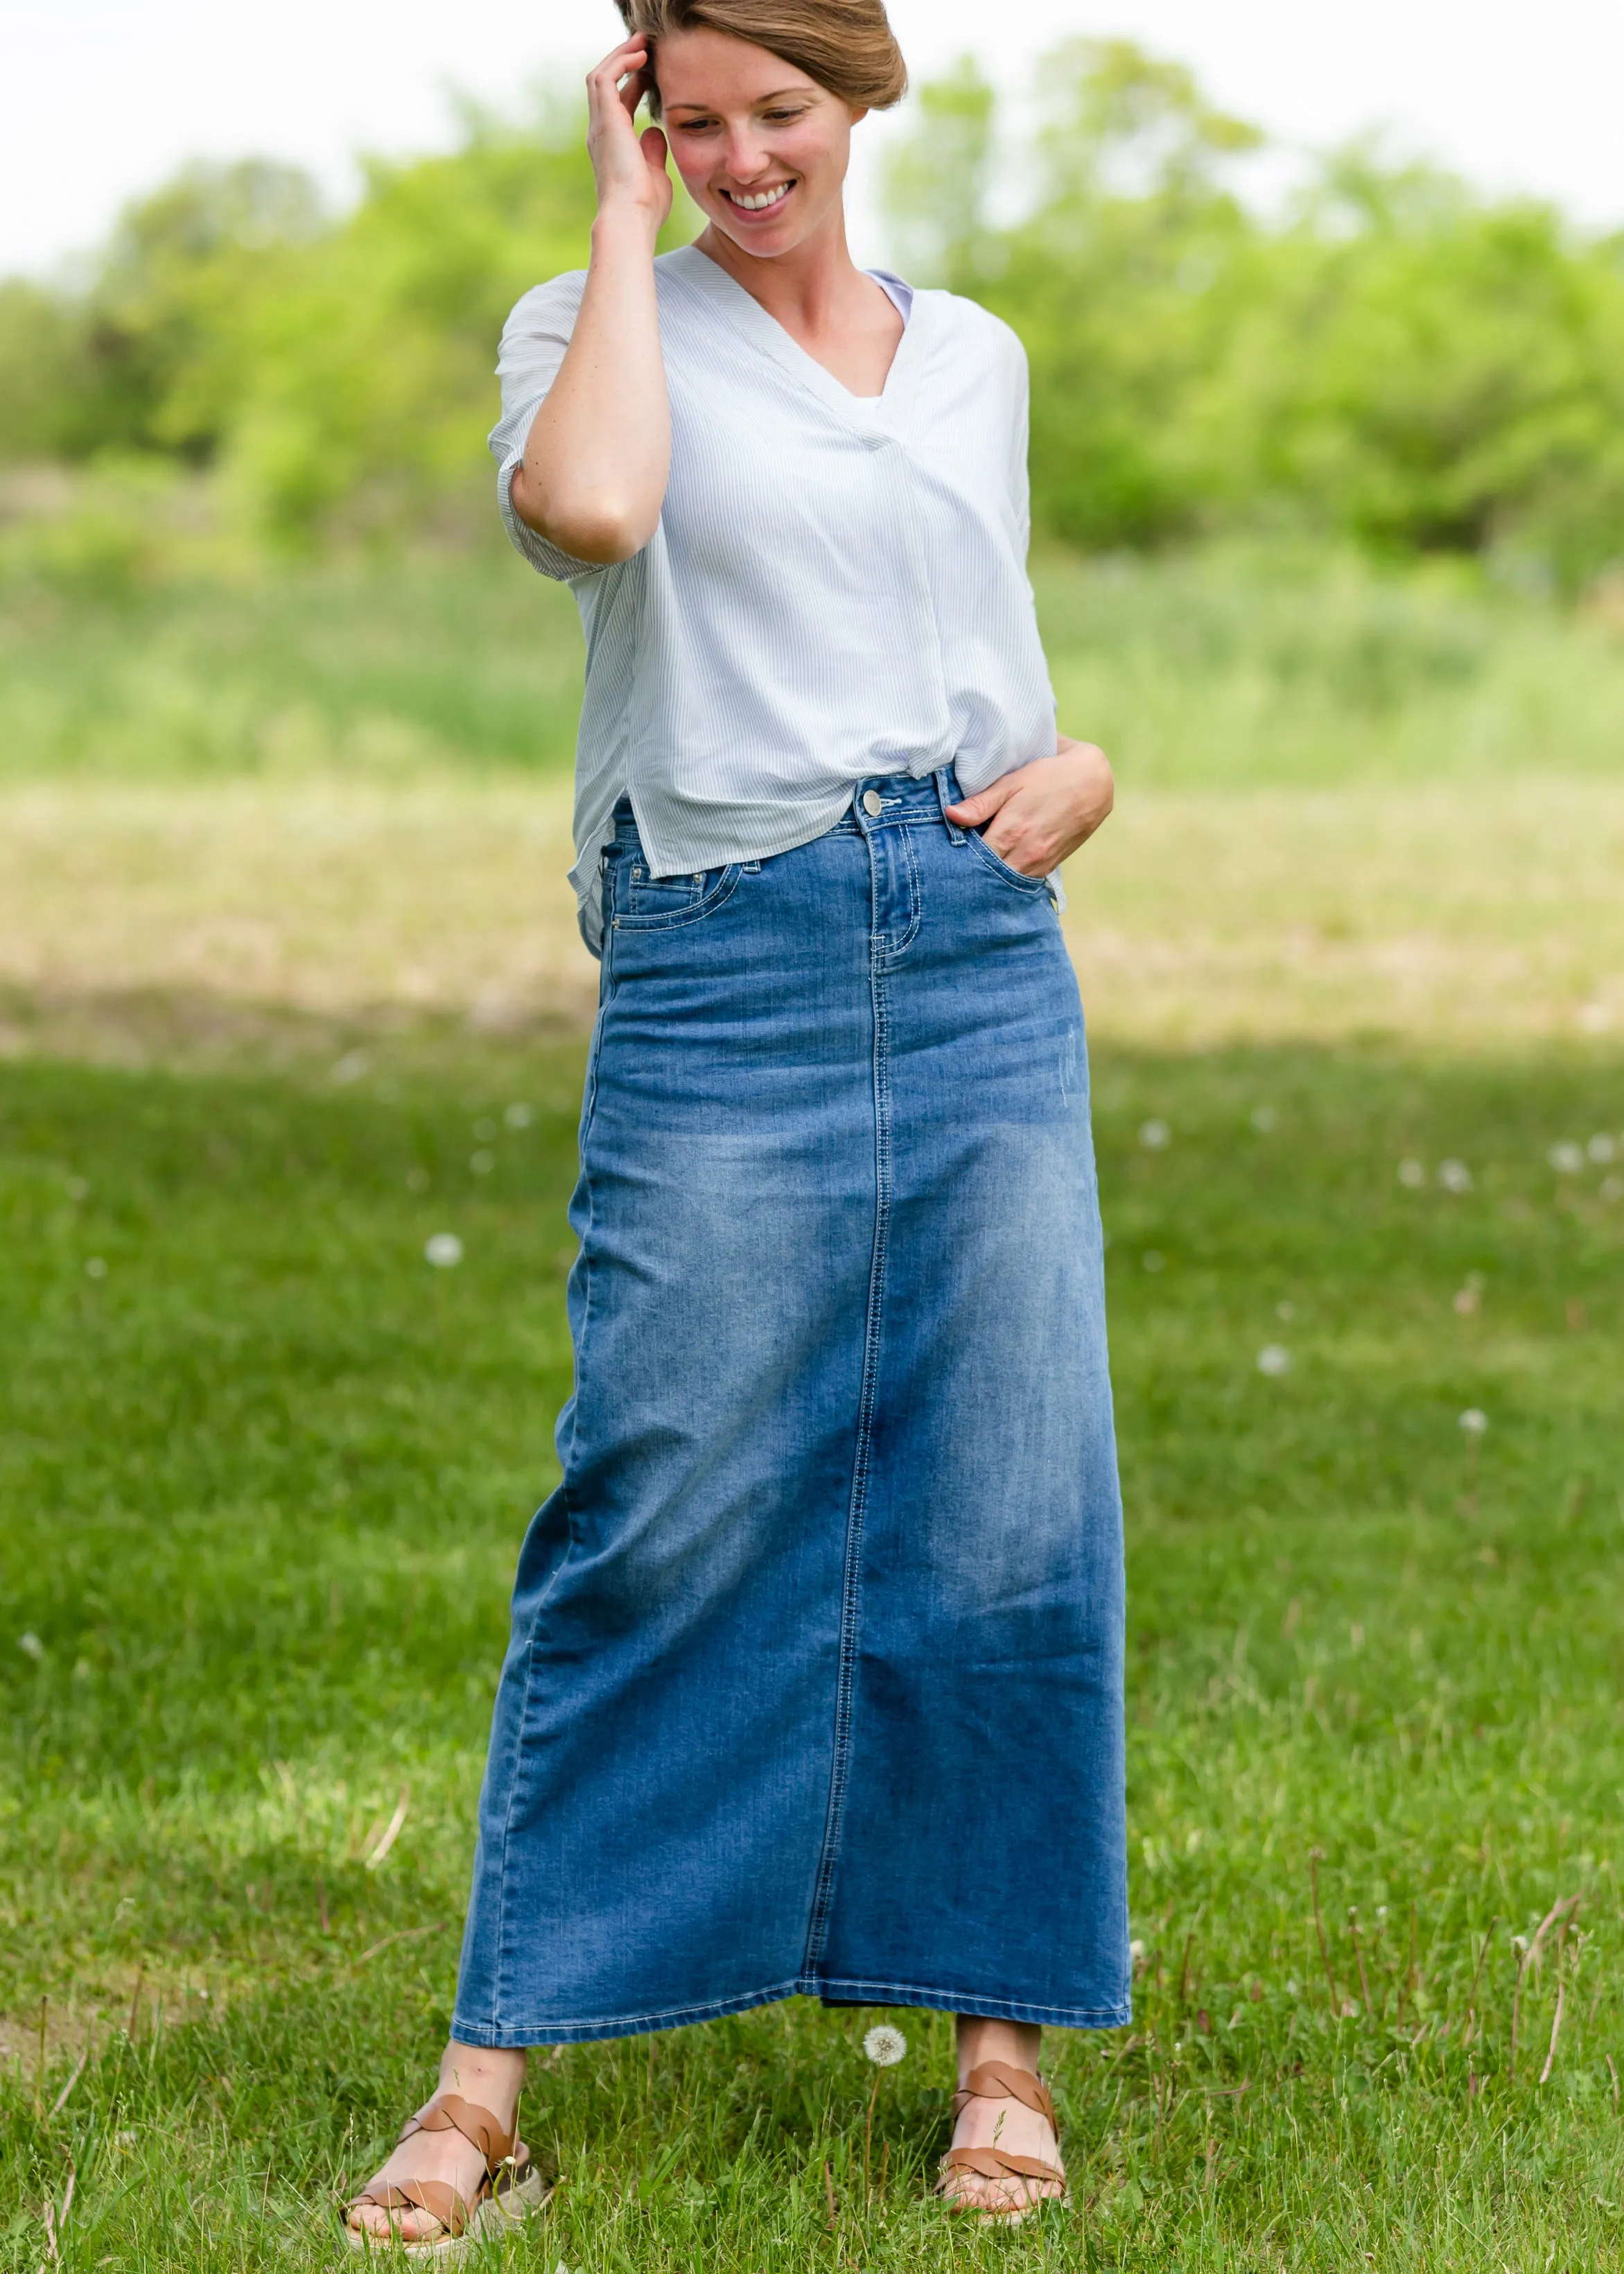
848 46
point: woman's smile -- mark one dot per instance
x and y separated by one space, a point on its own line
754 202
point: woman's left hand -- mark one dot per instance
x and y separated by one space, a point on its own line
1037 817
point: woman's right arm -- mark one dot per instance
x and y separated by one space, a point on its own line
596 463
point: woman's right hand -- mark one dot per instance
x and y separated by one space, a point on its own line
629 167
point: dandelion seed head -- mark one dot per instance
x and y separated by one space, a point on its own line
350 1067
1566 1158
76 1188
518 1115
31 1647
443 1250
1155 1136
1136 1951
1601 1147
1285 1310
1474 1422
1273 1358
1610 1188
884 2046
95 1267
482 1163
1455 1176
1263 1119
1412 1174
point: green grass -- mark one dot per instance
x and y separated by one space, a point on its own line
1243 666
262 1479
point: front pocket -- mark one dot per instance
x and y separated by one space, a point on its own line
644 903
1001 868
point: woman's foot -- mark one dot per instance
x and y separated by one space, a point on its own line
486 2077
1000 2122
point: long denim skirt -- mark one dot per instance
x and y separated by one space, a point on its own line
815 1683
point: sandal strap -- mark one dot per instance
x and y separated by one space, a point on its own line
998 2080
998 2163
449 2112
438 2197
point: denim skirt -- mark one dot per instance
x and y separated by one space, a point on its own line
815 1683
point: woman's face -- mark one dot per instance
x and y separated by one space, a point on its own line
762 148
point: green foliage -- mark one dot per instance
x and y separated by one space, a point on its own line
1396 360
264 1474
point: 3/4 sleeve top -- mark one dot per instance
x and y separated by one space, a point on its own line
837 587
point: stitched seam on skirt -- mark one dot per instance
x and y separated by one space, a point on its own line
823 1886
910 869
946 2001
589 1110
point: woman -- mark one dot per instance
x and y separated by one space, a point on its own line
815 1684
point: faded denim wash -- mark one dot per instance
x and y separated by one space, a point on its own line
816 1676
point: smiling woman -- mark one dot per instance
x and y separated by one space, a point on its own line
838 1540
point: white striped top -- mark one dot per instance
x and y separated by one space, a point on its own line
837 587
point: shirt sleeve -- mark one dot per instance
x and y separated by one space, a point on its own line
534 341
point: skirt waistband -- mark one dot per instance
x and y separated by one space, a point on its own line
878 801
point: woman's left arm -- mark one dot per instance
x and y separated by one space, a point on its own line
1037 816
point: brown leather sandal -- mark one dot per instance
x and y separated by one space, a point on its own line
511 2190
998 2080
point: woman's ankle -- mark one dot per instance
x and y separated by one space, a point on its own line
490 2076
1016 2044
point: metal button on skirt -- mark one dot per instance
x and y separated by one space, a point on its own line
815 1683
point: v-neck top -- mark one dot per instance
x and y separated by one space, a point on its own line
837 587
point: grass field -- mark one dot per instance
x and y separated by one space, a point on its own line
263 1472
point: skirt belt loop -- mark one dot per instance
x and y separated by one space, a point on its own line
947 794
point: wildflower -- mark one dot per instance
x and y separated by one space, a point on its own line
1136 1951
1455 1176
518 1115
1412 1175
482 1163
1155 1136
443 1250
1273 1358
1566 1158
884 2046
1601 1147
95 1267
1263 1119
1474 1422
31 1647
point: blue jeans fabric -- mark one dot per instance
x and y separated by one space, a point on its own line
815 1682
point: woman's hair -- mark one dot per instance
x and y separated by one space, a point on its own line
846 46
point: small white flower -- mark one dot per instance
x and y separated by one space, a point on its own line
1566 1158
1601 1147
518 1115
884 2046
1412 1175
482 1163
1273 1358
443 1250
1263 1119
95 1267
1153 1260
350 1067
1474 1422
31 1647
1455 1176
1155 1136
1136 1951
